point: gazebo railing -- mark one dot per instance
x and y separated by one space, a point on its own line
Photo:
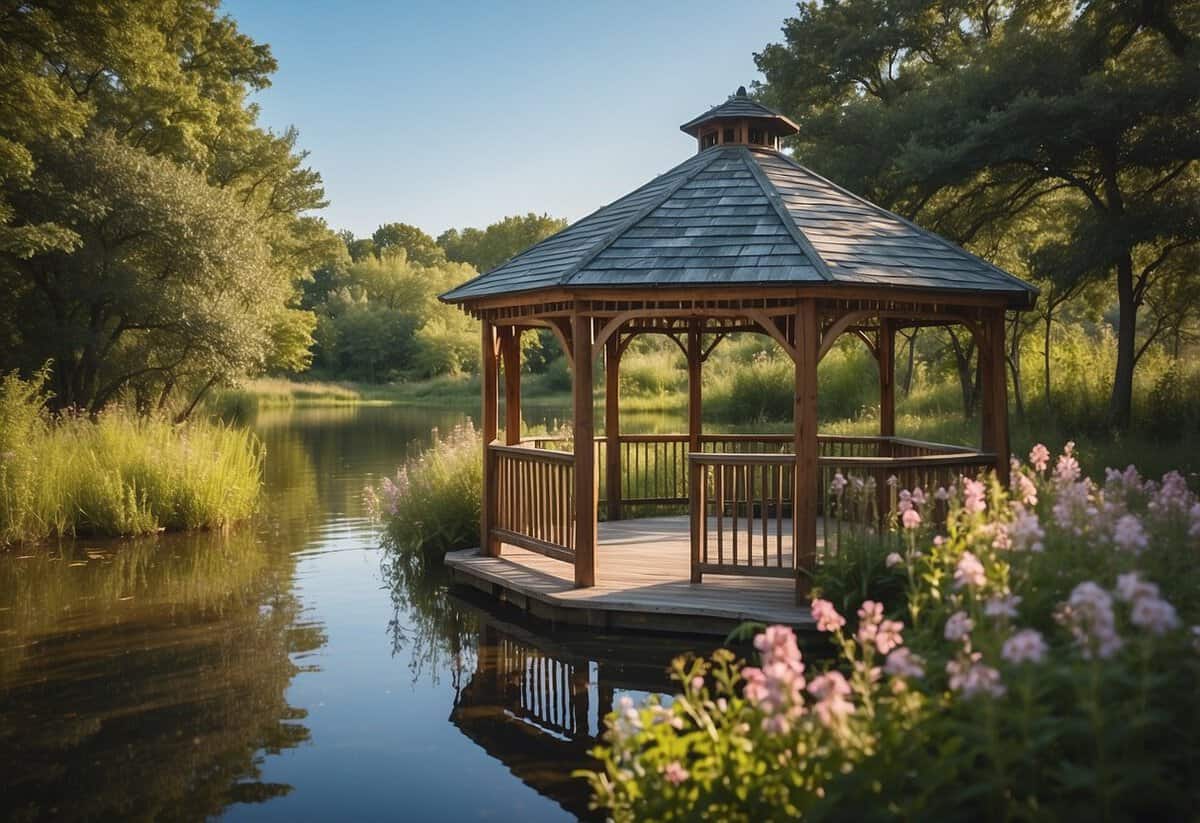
738 490
741 514
535 499
654 470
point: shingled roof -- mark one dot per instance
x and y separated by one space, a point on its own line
739 215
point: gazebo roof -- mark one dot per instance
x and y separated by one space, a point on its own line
744 215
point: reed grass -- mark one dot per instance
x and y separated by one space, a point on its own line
117 475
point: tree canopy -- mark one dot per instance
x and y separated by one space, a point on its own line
501 241
152 235
967 116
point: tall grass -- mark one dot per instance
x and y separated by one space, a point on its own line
118 475
432 505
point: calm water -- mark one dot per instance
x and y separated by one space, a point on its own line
293 670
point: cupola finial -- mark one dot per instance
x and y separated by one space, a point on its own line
740 120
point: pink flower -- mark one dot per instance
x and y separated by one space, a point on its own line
777 689
941 494
1026 646
969 572
903 663
959 626
911 519
893 560
675 773
831 690
1039 457
974 496
884 635
1023 489
827 617
971 677
1066 470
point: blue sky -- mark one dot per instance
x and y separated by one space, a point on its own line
456 114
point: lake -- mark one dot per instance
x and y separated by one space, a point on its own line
292 669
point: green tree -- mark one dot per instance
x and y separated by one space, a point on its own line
966 115
111 111
419 246
501 241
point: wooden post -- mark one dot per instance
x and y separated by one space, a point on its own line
697 514
612 425
585 451
885 356
694 393
510 352
994 377
804 498
887 378
487 426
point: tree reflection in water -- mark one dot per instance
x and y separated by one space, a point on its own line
144 680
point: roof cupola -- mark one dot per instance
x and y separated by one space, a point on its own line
739 120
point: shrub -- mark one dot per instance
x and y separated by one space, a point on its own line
432 505
117 475
1048 670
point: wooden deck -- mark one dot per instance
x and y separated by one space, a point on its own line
642 583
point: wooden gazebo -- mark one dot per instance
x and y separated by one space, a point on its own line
737 238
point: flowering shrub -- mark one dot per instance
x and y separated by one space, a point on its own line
1047 668
432 503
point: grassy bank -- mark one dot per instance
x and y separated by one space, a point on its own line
118 475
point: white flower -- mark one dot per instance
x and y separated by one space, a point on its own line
1128 535
1025 532
1153 614
959 626
903 663
893 560
1088 613
1026 646
1002 606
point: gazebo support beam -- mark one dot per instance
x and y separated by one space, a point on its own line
585 451
804 497
694 361
488 424
612 425
510 354
885 354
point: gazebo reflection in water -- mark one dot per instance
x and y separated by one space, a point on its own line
537 702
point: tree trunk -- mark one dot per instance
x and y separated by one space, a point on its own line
1013 358
1046 362
1121 406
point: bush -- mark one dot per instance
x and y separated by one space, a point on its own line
118 475
1048 670
432 505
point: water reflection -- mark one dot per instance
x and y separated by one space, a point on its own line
291 669
162 662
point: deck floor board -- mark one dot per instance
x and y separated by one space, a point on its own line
643 567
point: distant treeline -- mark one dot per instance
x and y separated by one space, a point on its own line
378 316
